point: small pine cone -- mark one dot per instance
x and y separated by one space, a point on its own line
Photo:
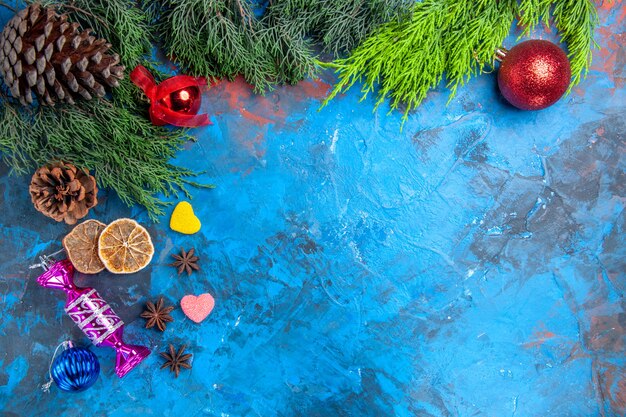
63 192
41 54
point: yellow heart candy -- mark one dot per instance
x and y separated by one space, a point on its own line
183 220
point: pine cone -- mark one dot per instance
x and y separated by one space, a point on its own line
42 54
63 192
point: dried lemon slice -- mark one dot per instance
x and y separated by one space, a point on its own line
81 246
125 247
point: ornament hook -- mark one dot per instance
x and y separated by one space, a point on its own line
67 344
501 53
45 261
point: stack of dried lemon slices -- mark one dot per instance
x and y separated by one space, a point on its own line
122 247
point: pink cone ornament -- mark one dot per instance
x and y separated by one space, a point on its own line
92 314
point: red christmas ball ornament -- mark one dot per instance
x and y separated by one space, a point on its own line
534 74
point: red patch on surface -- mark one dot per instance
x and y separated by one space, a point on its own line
606 334
316 89
270 108
611 57
611 381
620 395
606 7
256 118
284 108
539 338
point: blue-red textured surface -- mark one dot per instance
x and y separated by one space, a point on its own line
471 265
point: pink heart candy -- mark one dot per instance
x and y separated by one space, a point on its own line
197 308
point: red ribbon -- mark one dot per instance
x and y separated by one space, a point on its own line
159 96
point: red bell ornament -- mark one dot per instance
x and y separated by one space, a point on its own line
534 74
175 101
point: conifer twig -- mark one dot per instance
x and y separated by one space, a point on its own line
223 38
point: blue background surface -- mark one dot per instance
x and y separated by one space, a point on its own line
472 264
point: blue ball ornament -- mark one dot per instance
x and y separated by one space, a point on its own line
75 369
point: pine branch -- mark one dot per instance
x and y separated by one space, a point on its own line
533 12
339 25
405 71
407 59
223 38
119 21
471 43
124 151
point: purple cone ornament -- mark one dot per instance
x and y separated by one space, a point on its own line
92 314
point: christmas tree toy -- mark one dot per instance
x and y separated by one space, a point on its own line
74 370
92 314
533 75
175 101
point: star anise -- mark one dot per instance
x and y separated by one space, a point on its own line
186 261
176 360
157 315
